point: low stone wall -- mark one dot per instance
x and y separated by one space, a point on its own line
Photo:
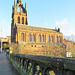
42 65
37 49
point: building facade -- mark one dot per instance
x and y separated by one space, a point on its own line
22 32
7 39
31 36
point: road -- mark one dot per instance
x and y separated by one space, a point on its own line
5 67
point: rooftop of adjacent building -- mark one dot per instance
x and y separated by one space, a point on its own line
5 39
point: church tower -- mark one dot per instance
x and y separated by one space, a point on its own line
18 17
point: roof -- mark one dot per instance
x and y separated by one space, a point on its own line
28 27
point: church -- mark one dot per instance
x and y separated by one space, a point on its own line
31 36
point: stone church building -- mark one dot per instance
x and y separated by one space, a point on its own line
31 36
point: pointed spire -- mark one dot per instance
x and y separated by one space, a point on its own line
25 7
14 3
12 9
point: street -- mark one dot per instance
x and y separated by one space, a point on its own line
5 66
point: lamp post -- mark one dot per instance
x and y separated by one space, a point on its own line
1 40
1 45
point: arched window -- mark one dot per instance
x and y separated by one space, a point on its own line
22 36
19 20
39 38
33 37
42 38
49 38
29 37
22 20
59 40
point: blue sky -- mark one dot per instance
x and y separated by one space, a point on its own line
42 13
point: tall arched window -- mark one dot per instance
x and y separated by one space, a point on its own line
59 40
29 37
19 20
33 37
39 38
42 38
22 20
22 36
49 38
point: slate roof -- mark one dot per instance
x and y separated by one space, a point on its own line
28 27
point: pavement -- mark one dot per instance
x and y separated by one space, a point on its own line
5 66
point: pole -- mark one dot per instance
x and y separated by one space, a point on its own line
1 45
1 40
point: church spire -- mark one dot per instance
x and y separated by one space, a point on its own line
14 3
12 9
25 7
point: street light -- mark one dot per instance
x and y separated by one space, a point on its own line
1 40
1 45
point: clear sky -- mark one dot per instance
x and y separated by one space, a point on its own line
43 13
